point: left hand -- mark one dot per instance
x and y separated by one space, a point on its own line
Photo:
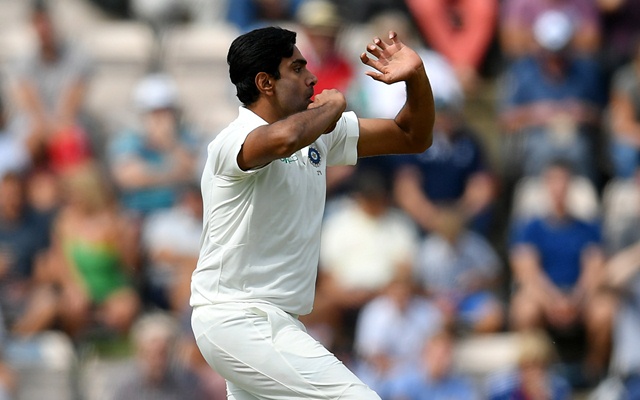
395 61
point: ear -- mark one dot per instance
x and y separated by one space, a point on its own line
264 83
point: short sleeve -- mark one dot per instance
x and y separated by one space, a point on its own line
224 150
342 143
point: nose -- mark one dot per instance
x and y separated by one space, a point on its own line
312 79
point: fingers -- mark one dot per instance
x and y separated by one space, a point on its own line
372 63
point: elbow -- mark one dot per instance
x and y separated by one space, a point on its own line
423 141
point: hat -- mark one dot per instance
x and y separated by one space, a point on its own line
319 14
553 30
154 92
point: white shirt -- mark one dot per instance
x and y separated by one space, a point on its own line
362 251
383 328
261 236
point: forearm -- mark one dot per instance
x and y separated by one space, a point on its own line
286 136
623 266
417 116
306 127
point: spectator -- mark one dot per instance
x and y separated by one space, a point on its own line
150 165
26 304
624 108
557 263
460 30
435 378
170 240
321 26
533 377
49 90
91 260
157 374
452 172
517 25
364 243
459 270
552 101
389 330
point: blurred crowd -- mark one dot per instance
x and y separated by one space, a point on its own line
526 230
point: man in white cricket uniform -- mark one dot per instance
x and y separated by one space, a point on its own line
264 192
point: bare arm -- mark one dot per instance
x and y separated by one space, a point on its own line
411 130
623 266
283 138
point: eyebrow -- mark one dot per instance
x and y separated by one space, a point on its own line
298 61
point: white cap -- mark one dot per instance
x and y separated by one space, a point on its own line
553 30
155 91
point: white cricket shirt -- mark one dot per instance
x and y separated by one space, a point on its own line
261 234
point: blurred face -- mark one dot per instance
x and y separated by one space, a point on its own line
323 42
154 354
294 89
44 29
438 356
160 126
557 180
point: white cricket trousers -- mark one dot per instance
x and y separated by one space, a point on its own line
265 353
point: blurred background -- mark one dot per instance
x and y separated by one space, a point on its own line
501 263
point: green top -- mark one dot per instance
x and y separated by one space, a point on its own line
99 266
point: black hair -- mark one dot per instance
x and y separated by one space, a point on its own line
260 50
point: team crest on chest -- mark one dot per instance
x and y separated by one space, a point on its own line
314 156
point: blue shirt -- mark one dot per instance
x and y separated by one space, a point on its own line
145 200
560 245
526 83
447 165
506 385
416 385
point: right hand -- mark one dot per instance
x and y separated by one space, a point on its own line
331 98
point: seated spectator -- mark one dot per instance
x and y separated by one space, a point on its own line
551 103
459 270
171 241
435 378
389 330
49 88
157 375
92 257
557 263
459 30
364 243
533 377
452 172
624 124
149 165
519 17
27 305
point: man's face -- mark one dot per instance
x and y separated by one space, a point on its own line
294 89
